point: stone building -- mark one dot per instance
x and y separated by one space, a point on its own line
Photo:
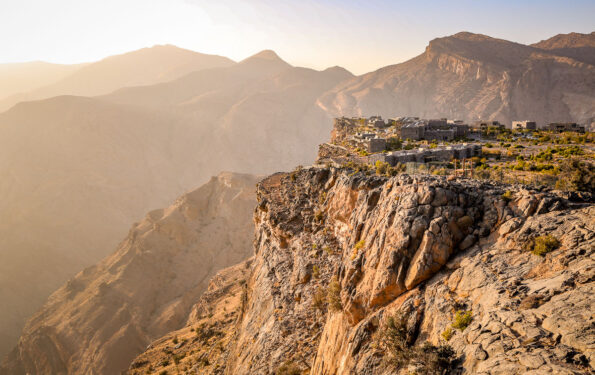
565 127
426 155
484 125
376 122
369 142
526 124
413 130
440 130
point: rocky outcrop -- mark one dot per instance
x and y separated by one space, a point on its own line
337 253
106 315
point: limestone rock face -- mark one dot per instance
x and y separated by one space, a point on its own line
372 246
107 314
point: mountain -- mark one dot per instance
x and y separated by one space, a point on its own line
261 112
471 76
578 46
78 170
21 77
108 313
146 66
369 275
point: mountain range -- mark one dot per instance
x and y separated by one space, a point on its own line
146 66
103 143
475 77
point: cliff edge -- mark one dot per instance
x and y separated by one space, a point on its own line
484 278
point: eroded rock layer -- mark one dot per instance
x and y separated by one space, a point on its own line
336 254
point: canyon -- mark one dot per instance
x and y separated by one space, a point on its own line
105 315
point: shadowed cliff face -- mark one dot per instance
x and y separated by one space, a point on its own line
374 246
108 313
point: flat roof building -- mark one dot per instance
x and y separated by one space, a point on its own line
565 127
526 124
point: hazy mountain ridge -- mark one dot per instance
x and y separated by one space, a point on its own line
146 66
108 313
80 170
21 77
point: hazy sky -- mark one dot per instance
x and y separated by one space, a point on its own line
361 35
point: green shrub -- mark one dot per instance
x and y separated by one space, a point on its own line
544 244
507 196
356 248
315 271
462 320
359 245
447 334
322 197
333 295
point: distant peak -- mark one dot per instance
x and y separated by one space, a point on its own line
268 56
465 40
338 70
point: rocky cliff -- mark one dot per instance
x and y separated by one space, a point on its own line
106 315
338 254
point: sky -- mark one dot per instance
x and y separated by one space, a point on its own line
360 35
